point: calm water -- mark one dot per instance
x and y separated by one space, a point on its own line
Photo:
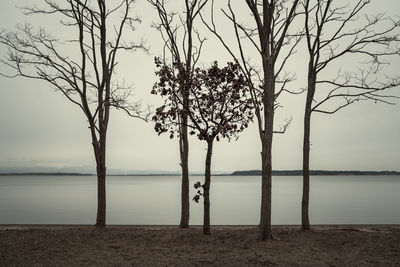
234 200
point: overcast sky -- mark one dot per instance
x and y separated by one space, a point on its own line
40 128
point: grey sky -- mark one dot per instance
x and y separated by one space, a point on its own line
39 127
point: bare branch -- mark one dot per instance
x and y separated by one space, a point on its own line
283 128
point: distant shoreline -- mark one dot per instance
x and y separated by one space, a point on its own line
92 174
235 173
80 174
45 174
314 172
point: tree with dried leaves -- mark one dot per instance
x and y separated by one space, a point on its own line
271 39
219 106
181 47
335 33
89 81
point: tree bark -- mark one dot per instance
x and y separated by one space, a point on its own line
101 196
206 188
184 145
305 222
266 182
100 154
266 153
184 153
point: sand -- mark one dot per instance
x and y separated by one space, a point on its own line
170 246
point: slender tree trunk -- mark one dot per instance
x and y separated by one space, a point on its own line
266 189
266 154
101 196
265 218
101 181
184 149
206 187
305 223
102 116
184 145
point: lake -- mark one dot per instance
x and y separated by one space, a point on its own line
234 200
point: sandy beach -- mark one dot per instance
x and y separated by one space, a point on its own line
82 245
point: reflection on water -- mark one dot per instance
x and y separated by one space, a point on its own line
234 200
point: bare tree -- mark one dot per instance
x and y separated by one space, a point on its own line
269 37
219 107
88 81
182 45
336 33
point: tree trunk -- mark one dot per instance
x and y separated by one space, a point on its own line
184 154
101 196
184 145
305 223
184 151
266 154
266 190
101 183
206 188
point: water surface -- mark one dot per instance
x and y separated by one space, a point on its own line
234 200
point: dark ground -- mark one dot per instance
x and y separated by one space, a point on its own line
170 246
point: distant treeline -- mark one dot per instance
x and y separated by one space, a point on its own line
236 173
314 172
47 174
85 174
